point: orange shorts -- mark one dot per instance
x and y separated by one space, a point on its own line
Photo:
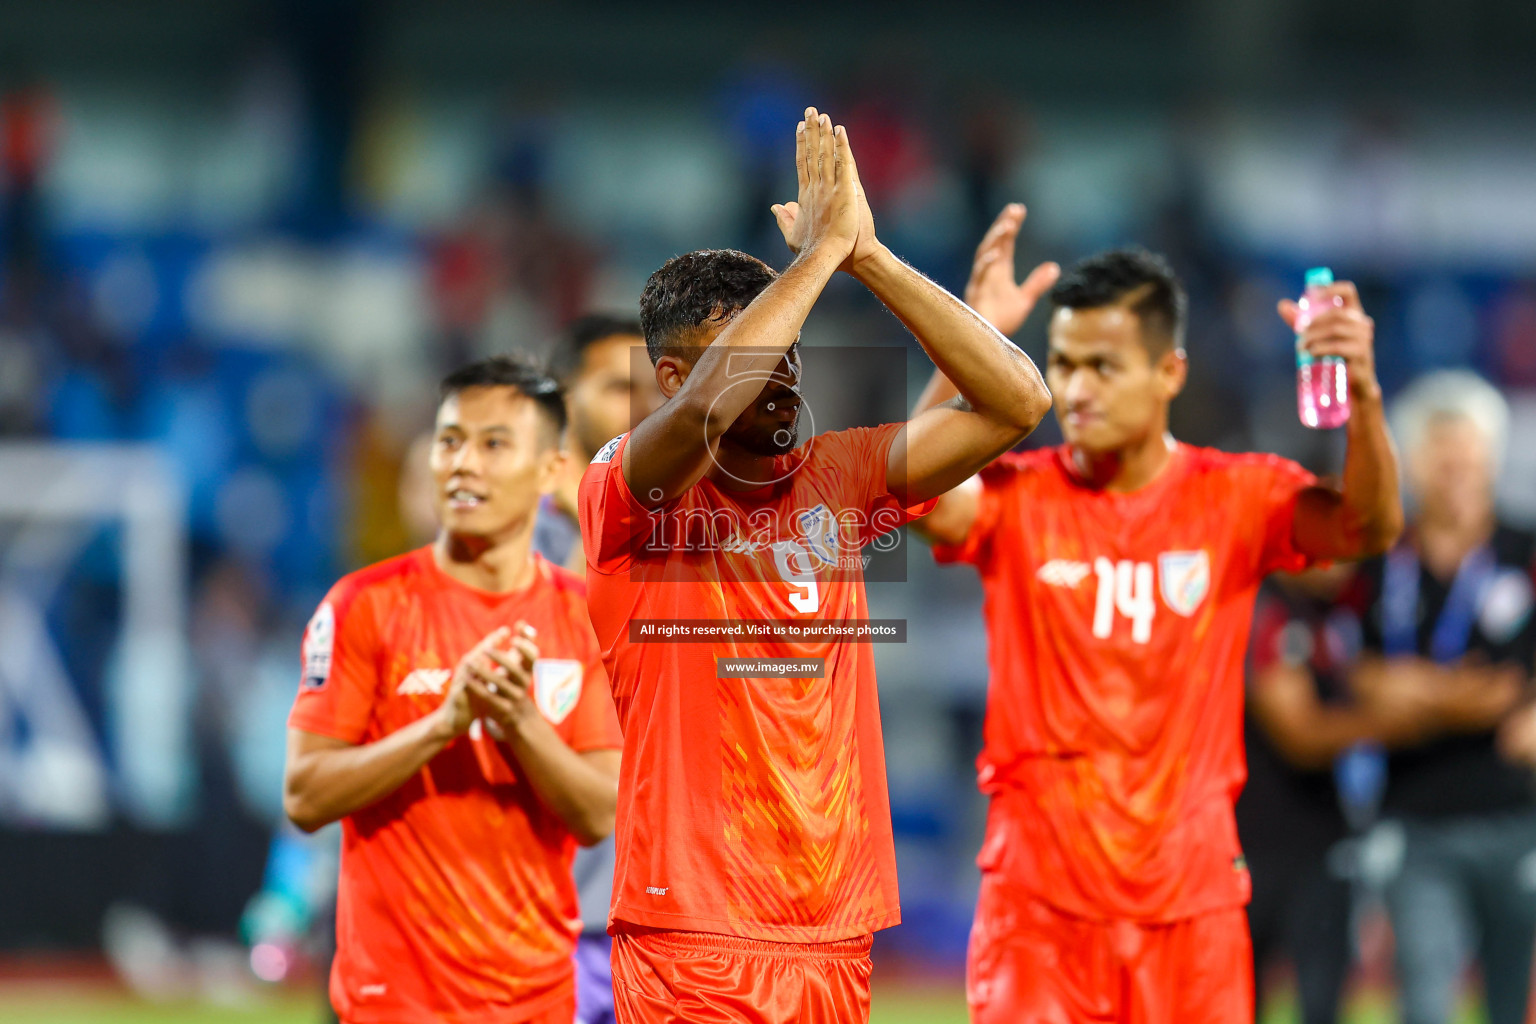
562 1012
1030 962
662 977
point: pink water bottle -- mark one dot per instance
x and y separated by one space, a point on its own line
1322 385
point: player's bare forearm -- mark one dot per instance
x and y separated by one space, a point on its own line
1366 516
995 377
325 779
1372 498
952 517
671 448
994 294
936 392
1001 394
581 788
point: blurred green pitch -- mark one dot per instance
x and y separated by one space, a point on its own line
893 1004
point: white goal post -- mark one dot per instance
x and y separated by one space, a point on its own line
54 497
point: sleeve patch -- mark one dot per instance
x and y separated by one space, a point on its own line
319 646
605 453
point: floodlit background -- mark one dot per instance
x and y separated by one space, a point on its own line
242 240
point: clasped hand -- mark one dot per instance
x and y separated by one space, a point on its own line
494 682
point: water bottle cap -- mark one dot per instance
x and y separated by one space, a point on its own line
1317 277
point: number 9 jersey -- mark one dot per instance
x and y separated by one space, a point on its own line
1118 625
753 807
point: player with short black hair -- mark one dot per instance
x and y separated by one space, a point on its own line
1120 572
755 855
526 378
690 290
454 714
1141 281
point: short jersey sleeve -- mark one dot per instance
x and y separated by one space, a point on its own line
612 520
1274 485
340 673
595 721
861 457
995 481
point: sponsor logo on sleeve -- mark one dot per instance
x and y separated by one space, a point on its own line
1185 579
605 453
556 687
319 645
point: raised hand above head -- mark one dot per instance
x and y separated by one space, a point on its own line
831 208
1341 329
992 290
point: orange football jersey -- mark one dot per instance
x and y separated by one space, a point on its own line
1117 630
754 807
456 901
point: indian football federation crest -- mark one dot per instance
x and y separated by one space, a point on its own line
319 644
1184 578
556 687
819 528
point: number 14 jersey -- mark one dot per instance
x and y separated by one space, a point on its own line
1118 625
